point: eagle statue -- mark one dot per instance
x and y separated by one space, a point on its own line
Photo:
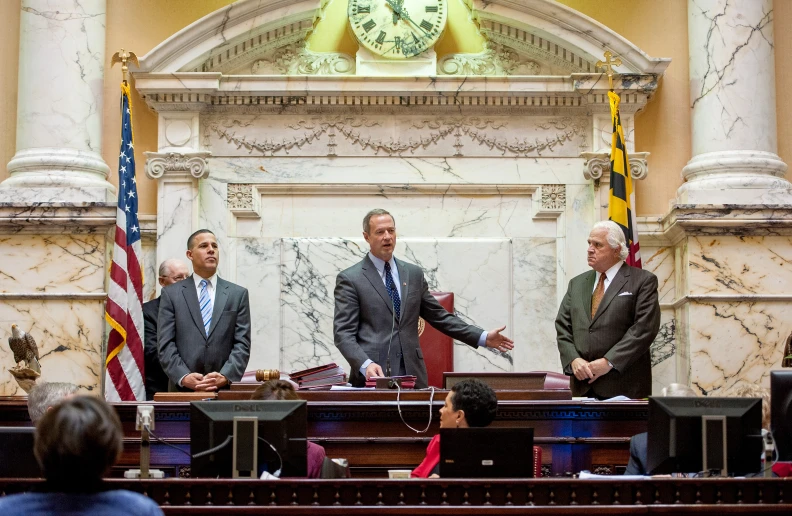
25 349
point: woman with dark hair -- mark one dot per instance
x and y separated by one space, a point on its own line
470 403
282 390
76 443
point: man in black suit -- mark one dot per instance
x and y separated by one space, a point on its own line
204 323
377 304
607 320
170 271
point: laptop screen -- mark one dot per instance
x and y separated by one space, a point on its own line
486 453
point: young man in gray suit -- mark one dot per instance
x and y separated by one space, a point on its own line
377 304
204 323
607 320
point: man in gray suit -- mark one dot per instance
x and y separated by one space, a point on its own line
607 321
377 304
204 323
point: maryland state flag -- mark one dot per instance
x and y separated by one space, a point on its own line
622 195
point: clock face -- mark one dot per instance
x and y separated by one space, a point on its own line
397 29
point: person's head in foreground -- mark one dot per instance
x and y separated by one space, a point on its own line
275 390
77 441
470 403
45 395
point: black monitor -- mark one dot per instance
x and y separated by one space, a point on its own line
486 452
282 425
781 413
16 453
705 435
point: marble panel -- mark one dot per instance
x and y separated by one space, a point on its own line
176 214
664 352
69 334
740 265
735 343
660 261
258 263
477 271
386 134
535 305
574 228
214 216
52 263
399 170
150 271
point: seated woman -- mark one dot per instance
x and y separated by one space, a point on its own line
470 403
283 390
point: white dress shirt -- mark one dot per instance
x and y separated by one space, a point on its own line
609 275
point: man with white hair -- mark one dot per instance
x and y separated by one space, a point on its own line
607 320
170 271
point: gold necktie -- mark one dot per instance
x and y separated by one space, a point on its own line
596 298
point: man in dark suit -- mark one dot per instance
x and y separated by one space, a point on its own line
607 321
204 323
170 271
377 304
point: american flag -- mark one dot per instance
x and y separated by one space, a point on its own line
124 310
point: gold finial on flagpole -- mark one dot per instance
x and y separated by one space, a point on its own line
608 64
124 57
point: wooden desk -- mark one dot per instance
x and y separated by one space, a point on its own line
371 435
454 497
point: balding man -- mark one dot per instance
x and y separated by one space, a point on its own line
170 271
607 320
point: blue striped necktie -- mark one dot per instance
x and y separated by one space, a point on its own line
205 302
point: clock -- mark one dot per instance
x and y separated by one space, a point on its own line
397 29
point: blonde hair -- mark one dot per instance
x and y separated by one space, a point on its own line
750 390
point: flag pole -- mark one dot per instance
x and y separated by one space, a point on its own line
608 64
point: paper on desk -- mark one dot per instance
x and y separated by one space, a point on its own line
586 475
349 388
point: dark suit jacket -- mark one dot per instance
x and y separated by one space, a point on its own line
364 317
182 342
621 331
639 453
156 379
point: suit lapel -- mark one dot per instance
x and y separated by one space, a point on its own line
372 274
404 277
191 298
613 289
221 296
588 293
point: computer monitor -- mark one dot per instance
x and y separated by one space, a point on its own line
16 453
781 413
491 452
705 435
281 424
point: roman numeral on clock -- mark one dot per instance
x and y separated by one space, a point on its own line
365 9
425 25
430 9
381 37
369 25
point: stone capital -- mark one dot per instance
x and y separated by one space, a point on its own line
597 165
193 163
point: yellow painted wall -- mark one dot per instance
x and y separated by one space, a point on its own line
659 28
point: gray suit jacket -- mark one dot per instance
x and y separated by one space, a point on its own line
364 317
621 331
182 342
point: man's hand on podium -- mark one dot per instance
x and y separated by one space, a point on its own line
373 369
499 342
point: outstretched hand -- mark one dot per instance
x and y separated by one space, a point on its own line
499 342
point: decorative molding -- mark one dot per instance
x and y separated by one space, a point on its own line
597 165
53 296
297 59
57 218
496 59
390 190
192 162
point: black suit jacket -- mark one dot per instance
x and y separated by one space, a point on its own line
625 325
156 379
364 317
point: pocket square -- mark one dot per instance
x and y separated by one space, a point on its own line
625 294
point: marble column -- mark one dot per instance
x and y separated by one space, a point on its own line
732 95
59 110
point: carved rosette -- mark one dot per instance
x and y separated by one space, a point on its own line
243 200
194 163
553 197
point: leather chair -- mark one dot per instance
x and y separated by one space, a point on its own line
438 348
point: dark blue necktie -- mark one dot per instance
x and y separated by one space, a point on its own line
392 291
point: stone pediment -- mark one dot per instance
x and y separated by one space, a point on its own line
537 54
